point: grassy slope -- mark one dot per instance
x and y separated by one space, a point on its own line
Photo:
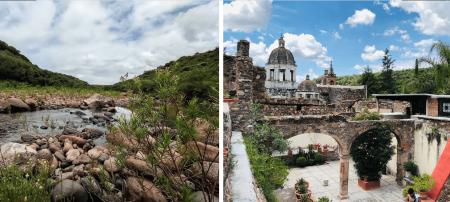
197 73
15 67
400 77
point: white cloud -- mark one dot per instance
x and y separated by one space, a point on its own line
261 38
390 32
322 64
406 38
434 18
386 8
341 26
393 48
364 17
336 35
357 67
246 16
372 54
425 43
323 31
111 38
311 74
410 54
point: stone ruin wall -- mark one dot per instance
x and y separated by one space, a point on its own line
337 95
395 105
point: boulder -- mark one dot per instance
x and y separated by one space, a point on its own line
60 156
119 137
18 104
94 153
79 170
78 112
203 127
3 104
209 152
55 146
44 127
99 116
102 158
81 159
72 155
91 184
45 154
64 176
171 160
149 193
27 137
92 133
73 104
69 190
67 145
213 173
18 154
199 197
111 109
142 167
32 103
110 165
75 140
98 100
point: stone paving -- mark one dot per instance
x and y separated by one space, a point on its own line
388 192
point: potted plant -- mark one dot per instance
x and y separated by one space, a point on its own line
305 198
300 150
303 190
411 168
289 151
325 148
310 147
316 146
424 184
319 149
301 182
325 199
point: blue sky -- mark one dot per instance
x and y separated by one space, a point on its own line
99 41
351 34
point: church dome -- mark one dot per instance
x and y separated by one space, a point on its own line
281 55
307 86
322 80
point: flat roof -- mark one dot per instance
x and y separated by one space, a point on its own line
409 96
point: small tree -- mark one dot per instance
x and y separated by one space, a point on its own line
371 151
368 78
386 81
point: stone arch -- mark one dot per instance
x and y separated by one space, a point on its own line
401 158
335 137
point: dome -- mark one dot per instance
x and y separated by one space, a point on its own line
307 86
322 80
281 55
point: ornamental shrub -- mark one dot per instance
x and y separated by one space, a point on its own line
301 161
311 161
424 183
365 115
411 167
319 158
371 151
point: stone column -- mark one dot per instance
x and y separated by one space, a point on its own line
295 75
343 175
378 106
276 74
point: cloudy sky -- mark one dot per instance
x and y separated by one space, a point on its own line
352 34
100 41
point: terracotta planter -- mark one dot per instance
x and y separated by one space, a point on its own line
368 185
319 149
325 149
300 195
296 186
315 147
310 199
423 195
365 179
289 153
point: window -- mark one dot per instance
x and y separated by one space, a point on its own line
308 96
292 75
282 75
331 82
272 73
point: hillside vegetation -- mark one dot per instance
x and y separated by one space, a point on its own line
15 67
197 73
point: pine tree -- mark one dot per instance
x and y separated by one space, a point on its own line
386 81
368 78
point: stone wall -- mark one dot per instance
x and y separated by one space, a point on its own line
444 196
258 82
229 75
433 107
337 94
395 105
226 155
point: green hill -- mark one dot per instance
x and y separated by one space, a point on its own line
400 78
15 67
197 73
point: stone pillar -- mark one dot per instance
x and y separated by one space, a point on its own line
295 75
400 172
343 175
243 48
378 106
276 74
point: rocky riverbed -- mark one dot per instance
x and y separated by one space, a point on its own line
75 142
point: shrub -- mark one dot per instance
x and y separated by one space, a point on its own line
325 199
319 158
411 167
371 151
365 115
405 190
301 161
311 161
424 183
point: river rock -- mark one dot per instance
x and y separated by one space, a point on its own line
18 154
213 173
45 154
60 156
54 147
98 100
110 165
78 112
172 160
3 104
44 127
79 170
99 116
111 109
27 137
75 140
199 197
92 133
94 153
150 192
142 167
91 184
69 190
119 137
202 127
73 104
108 114
210 153
67 145
72 155
70 129
32 103
64 176
40 142
102 158
82 159
18 104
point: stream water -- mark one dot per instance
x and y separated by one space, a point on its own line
59 118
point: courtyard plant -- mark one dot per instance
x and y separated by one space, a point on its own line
302 191
301 182
424 184
301 161
365 115
318 158
411 167
371 151
325 199
305 198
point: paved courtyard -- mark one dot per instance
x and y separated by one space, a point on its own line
389 190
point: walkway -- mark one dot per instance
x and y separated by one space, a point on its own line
242 188
388 192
